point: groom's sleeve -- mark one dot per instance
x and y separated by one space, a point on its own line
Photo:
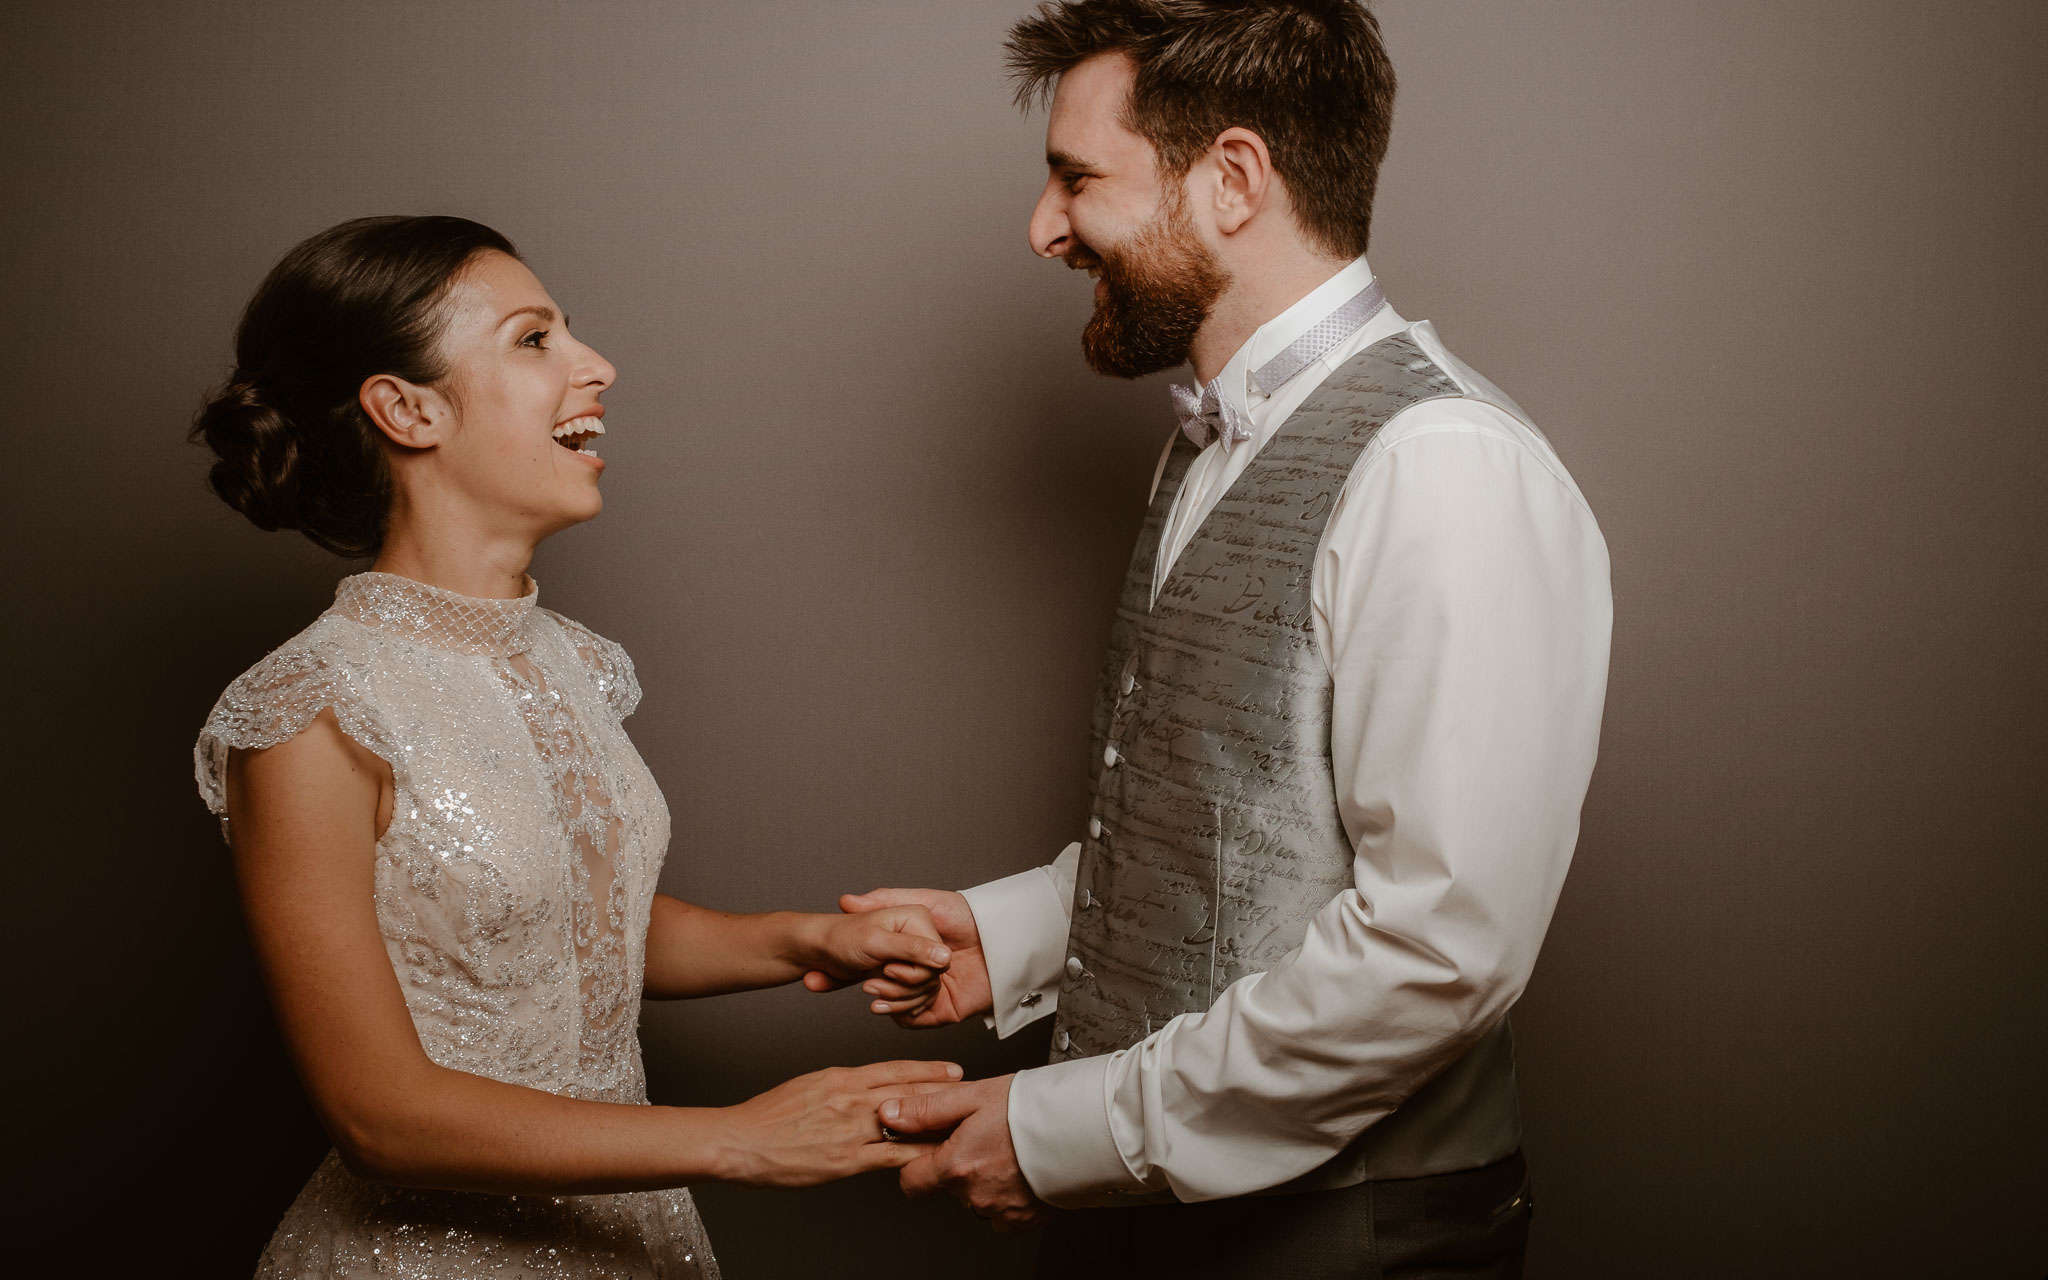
1462 602
1023 921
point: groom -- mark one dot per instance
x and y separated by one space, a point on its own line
1346 724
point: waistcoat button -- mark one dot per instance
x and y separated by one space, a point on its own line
1075 968
1066 1041
1130 683
1109 756
1095 828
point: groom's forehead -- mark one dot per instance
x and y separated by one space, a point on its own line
1090 110
1095 89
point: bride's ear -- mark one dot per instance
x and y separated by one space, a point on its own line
408 414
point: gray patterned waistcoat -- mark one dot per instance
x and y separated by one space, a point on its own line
1215 834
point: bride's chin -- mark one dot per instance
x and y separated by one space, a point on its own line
588 511
566 516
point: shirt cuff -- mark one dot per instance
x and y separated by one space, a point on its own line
1023 922
1059 1126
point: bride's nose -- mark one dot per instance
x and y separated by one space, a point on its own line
594 371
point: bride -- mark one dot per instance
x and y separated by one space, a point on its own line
446 846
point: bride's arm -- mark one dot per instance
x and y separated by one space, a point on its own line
695 951
304 818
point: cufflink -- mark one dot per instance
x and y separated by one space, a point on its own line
1031 999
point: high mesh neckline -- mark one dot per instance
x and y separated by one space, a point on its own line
438 617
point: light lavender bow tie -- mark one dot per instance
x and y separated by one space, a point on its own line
1206 415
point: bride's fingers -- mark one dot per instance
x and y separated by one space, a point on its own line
888 1155
876 899
879 1096
880 1075
818 981
886 945
910 975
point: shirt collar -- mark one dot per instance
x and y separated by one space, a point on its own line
1274 336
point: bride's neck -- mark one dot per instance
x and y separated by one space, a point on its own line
467 561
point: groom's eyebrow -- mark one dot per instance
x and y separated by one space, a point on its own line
1061 160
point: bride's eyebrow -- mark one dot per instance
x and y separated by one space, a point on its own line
545 313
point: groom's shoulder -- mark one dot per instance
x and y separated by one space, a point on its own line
1476 407
1475 402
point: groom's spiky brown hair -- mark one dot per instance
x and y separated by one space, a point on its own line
1310 77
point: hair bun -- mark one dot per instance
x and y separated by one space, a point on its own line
293 447
256 471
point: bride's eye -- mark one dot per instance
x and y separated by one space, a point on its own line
538 340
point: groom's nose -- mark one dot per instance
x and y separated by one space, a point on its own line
1049 231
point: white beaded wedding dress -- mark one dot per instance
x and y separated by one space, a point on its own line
512 890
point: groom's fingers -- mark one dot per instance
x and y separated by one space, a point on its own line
884 989
816 981
923 1175
930 1111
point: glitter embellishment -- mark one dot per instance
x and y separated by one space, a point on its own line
433 616
512 890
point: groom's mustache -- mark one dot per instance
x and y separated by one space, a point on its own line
1080 257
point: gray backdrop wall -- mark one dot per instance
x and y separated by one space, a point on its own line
1771 274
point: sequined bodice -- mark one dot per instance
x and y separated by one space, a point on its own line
514 881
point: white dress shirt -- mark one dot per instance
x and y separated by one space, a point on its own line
1461 602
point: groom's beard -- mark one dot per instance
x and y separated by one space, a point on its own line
1160 287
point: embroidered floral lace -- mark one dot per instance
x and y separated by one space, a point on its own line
513 888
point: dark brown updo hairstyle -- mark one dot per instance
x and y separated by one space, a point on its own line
294 448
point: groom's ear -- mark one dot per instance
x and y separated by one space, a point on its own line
1238 179
407 413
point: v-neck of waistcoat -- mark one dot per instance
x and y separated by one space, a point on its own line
1295 420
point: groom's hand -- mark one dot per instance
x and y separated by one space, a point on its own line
898 989
976 1164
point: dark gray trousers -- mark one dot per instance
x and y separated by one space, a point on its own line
1472 1224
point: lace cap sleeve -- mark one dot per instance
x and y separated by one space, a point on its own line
273 702
607 664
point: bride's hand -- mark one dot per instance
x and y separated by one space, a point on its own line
900 942
823 1126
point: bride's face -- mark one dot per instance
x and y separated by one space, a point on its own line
523 397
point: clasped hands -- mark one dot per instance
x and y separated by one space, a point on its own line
968 1125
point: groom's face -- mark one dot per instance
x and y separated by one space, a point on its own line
1105 211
